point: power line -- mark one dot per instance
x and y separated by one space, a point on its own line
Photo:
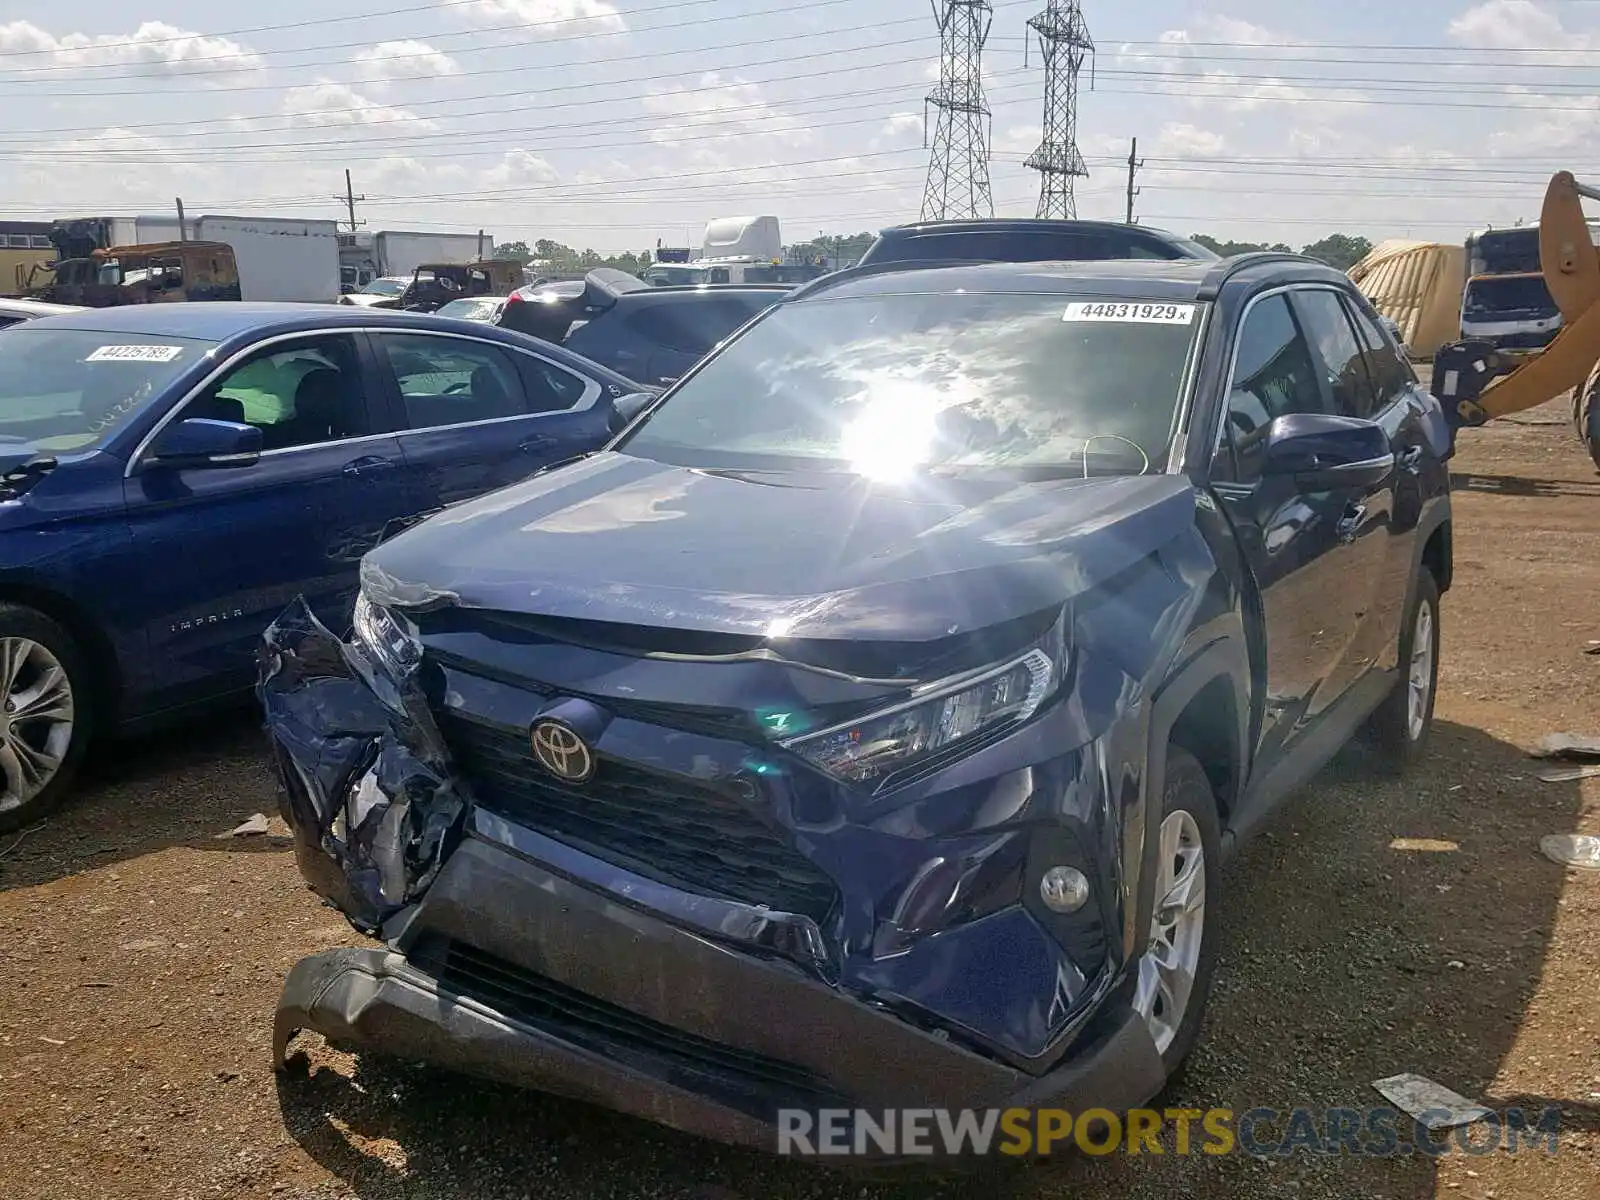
368 42
381 14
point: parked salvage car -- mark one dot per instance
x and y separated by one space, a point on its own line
175 474
867 725
651 333
385 288
475 308
1018 239
15 311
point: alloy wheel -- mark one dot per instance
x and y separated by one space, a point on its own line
1419 679
36 719
1177 926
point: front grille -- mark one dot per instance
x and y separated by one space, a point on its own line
685 833
609 1029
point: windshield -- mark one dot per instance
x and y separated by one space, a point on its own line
66 389
471 310
885 385
385 287
659 276
1511 294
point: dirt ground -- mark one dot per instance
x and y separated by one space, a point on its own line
140 957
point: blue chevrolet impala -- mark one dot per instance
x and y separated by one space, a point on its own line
173 475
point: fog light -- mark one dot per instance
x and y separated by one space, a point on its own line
1064 889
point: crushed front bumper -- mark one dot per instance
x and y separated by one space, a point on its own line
555 986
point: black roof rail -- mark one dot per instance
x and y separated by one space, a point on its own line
1228 267
846 274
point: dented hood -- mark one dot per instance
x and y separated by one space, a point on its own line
620 539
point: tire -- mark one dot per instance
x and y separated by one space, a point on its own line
1589 419
1189 822
1397 736
43 670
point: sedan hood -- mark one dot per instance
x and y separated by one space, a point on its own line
625 540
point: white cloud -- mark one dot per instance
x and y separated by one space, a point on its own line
553 17
520 167
731 105
405 59
324 104
1181 139
1509 25
904 124
159 48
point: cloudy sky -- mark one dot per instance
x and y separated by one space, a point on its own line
612 123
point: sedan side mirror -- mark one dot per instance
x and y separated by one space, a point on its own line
200 442
1325 453
624 409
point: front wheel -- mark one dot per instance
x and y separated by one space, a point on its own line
44 706
1399 728
1181 955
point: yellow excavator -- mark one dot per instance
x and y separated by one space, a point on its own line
1476 382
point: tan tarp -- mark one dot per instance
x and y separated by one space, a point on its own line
1417 285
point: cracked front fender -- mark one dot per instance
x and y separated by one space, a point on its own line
363 775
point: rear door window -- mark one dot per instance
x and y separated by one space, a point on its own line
1392 376
451 381
1328 326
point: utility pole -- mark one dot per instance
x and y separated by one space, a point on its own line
182 235
350 199
1134 163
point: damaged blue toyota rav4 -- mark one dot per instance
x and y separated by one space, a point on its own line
866 725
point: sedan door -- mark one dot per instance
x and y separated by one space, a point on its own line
224 548
476 415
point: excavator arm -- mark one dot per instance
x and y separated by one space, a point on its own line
1477 383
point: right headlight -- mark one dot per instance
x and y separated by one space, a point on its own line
942 716
386 635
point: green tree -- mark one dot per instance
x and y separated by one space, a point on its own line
1229 249
1339 250
514 250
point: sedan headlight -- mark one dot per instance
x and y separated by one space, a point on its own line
388 636
940 717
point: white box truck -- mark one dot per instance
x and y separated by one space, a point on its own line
279 258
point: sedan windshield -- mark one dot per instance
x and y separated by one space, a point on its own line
966 382
67 389
385 287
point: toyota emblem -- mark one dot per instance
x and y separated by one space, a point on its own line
562 752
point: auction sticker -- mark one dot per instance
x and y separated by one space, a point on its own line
1137 313
161 354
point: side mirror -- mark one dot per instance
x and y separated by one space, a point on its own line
624 409
1325 453
200 442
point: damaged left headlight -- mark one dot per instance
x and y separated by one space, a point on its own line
940 717
387 635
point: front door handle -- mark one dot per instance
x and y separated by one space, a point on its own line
1350 522
537 444
368 466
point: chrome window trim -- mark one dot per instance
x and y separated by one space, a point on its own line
137 459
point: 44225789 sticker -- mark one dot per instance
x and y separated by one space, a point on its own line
1130 311
159 354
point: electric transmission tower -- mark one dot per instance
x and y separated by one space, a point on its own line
958 173
1064 41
